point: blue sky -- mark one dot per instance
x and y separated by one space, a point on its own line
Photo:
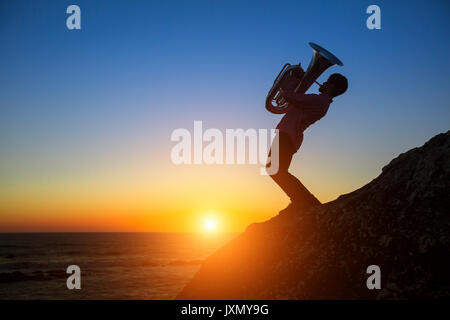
76 101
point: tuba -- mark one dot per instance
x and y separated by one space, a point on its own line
322 59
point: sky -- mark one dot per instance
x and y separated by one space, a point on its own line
86 115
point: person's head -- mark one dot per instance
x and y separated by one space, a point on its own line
335 85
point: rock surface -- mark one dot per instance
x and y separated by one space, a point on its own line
399 221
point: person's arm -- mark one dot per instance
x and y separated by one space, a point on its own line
299 100
311 105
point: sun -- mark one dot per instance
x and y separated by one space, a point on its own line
210 224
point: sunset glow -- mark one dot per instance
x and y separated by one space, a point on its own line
89 149
210 225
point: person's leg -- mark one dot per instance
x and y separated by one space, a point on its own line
285 153
293 188
282 145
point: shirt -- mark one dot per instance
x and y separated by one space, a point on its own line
303 111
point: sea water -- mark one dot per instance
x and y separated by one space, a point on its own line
113 265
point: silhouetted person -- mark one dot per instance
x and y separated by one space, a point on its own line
303 110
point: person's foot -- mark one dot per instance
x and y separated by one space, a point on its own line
291 207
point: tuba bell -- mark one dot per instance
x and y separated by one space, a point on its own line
321 60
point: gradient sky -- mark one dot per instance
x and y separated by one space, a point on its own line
86 115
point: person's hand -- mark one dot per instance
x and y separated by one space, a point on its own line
285 94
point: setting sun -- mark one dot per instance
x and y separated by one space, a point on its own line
210 224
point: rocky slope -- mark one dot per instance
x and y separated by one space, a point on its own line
399 221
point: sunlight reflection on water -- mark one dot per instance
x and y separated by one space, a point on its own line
113 265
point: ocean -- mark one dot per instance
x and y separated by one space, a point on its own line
113 265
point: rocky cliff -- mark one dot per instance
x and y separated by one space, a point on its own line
399 221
